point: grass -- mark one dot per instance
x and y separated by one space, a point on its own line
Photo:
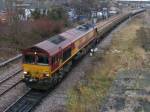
124 53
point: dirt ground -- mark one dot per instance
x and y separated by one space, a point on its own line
130 91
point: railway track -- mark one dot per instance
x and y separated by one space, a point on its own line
27 102
10 82
11 60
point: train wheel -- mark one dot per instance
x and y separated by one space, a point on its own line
84 51
62 72
60 76
55 79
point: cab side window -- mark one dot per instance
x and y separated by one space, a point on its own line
55 59
29 59
66 54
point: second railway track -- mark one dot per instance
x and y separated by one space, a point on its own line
10 82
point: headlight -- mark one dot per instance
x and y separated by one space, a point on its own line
25 72
47 75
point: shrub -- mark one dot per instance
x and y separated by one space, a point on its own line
45 27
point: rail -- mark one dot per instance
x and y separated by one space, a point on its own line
27 102
10 60
5 86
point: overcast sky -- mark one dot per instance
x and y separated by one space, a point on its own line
134 0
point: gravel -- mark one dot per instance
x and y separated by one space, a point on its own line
130 92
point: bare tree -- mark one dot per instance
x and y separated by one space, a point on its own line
14 8
86 6
13 11
83 6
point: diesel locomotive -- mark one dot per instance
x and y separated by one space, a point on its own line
46 63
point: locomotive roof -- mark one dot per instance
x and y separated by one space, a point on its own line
61 41
76 33
53 46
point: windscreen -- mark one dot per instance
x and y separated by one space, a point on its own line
42 60
36 59
29 59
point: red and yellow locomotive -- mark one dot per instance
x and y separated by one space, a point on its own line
47 62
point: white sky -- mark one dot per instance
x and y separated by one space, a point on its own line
134 0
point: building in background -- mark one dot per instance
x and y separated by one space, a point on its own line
134 3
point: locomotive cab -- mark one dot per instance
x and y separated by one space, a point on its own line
41 63
36 65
